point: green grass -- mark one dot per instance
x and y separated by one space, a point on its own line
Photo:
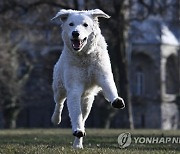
97 141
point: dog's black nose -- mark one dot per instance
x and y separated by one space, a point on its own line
75 34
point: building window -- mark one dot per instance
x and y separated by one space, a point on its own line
139 82
172 78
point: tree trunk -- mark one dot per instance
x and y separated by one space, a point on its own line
122 63
10 116
12 123
107 123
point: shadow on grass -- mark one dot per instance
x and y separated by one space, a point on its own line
51 140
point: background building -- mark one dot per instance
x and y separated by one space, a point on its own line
154 71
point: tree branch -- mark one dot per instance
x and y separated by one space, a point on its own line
100 6
76 5
144 4
13 5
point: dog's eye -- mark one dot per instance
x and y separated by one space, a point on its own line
85 25
71 24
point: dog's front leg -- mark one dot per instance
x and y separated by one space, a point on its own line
106 82
75 113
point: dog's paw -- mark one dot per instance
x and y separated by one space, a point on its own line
79 134
55 119
118 103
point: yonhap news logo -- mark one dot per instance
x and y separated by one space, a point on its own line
126 139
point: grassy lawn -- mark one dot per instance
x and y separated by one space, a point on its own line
97 141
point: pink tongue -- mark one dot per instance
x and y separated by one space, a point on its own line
76 44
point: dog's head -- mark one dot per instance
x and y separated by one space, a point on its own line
79 27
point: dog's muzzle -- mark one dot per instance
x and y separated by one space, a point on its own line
77 44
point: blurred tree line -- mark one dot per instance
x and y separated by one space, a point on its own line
27 34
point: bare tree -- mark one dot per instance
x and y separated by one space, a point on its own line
14 72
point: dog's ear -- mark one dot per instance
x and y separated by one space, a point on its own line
98 13
62 14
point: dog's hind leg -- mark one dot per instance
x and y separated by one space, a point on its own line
59 100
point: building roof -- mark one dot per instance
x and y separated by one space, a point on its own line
154 30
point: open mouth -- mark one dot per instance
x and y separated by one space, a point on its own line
78 44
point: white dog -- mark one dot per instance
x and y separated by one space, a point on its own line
82 69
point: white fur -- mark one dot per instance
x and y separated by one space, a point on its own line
80 75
